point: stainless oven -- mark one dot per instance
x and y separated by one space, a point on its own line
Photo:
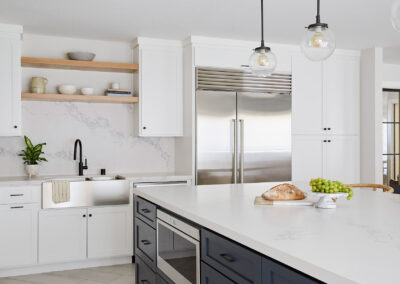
178 249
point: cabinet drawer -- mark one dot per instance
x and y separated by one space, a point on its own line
144 275
236 262
17 194
211 276
146 211
145 243
275 273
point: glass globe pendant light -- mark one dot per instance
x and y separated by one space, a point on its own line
262 61
395 15
319 42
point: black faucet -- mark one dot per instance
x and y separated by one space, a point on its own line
81 166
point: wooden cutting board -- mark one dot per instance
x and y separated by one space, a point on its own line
261 201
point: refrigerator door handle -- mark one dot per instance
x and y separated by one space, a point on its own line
234 166
241 169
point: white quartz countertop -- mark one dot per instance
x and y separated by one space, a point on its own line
358 242
132 177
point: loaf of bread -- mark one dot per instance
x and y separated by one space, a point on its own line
284 191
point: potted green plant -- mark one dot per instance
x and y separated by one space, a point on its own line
32 156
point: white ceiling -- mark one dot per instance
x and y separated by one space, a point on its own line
356 23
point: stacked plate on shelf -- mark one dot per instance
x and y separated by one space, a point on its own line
118 93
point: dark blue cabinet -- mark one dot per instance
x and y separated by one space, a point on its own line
146 211
144 274
231 259
211 276
275 273
145 243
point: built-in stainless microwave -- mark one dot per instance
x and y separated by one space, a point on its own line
178 249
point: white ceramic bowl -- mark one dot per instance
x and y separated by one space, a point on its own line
87 91
67 89
79 55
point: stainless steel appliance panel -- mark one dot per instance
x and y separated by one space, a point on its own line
216 117
264 121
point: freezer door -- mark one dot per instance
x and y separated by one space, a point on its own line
215 120
264 137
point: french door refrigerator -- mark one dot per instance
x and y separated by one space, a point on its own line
242 137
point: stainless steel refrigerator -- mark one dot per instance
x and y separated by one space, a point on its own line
242 137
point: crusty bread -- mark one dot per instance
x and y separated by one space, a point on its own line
283 191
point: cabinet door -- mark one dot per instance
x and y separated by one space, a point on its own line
18 233
342 159
342 95
160 91
110 231
62 235
307 92
10 85
307 157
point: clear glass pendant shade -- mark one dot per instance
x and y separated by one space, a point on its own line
262 62
395 15
318 43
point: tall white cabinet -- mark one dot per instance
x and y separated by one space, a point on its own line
10 80
325 121
159 85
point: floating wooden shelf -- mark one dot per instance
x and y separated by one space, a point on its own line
78 65
79 98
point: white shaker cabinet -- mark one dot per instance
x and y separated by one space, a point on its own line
326 95
62 235
110 231
160 87
18 234
332 157
10 80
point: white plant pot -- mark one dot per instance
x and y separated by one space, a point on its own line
32 170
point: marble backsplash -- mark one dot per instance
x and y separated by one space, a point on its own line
106 132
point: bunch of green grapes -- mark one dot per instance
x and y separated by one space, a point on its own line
329 186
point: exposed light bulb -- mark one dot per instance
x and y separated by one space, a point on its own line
318 40
262 60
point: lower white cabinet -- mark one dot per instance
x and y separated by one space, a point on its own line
110 232
77 234
18 234
62 235
330 157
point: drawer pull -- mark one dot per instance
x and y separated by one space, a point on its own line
145 210
227 257
15 195
16 207
145 242
145 282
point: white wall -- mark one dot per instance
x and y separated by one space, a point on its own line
391 76
371 115
106 130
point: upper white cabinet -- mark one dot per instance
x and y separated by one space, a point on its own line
10 80
159 85
18 234
110 231
326 95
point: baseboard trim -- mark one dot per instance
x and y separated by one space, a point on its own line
44 268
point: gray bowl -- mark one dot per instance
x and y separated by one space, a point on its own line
83 56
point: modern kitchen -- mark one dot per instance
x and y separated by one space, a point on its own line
199 142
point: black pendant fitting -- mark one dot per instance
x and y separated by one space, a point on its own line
318 20
262 47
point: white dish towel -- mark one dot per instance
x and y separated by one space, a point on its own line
60 191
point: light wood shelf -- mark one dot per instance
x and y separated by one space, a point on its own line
78 65
79 98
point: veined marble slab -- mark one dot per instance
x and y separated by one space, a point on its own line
358 242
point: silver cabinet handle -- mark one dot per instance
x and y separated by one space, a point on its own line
241 121
234 168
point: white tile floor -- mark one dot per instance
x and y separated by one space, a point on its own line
117 274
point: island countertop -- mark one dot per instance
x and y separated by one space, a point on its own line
358 242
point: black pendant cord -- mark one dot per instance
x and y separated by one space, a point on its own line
318 17
262 23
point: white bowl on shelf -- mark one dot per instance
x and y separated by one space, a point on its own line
87 91
67 89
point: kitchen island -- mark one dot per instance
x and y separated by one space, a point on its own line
358 242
